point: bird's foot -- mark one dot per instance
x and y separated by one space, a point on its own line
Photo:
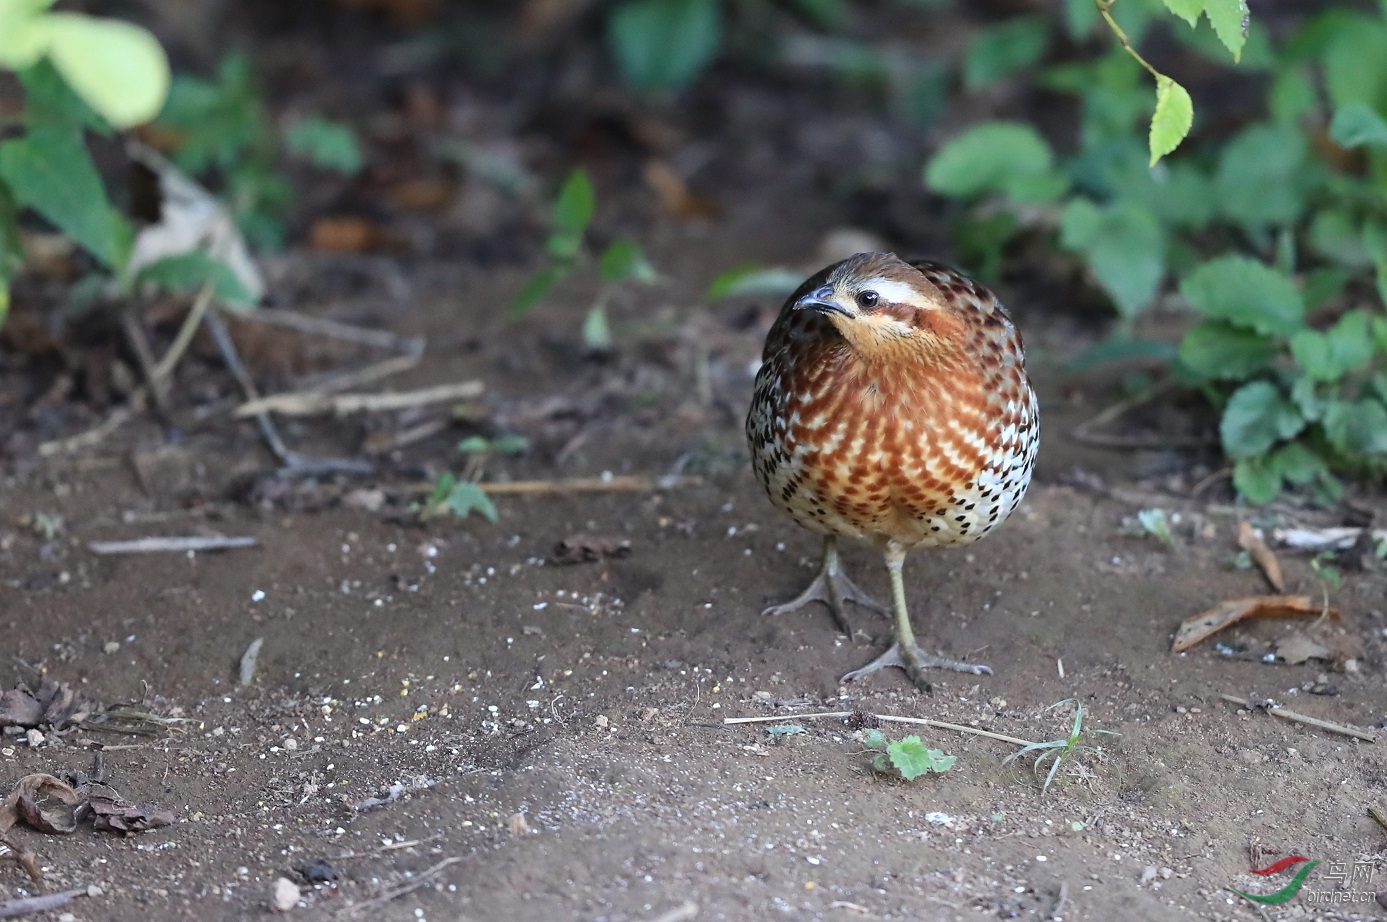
915 661
833 588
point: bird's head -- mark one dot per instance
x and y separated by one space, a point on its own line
888 309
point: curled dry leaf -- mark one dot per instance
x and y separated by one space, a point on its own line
1299 647
111 814
54 704
42 802
1201 626
1261 555
674 195
588 548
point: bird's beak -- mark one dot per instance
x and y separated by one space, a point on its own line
823 301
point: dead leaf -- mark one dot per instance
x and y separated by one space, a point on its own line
1199 627
344 234
42 802
112 814
19 708
54 705
674 195
1298 648
1256 548
588 548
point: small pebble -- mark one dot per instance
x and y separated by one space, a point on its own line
112 646
1148 874
285 896
34 738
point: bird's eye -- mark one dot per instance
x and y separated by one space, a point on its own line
867 299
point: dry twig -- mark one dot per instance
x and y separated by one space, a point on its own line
176 545
314 402
1285 714
922 721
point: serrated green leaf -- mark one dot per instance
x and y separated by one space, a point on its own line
1004 157
1230 19
466 498
1256 418
1172 120
1257 480
1124 246
1297 463
1003 49
1357 427
779 730
664 45
879 763
190 271
623 260
119 69
576 203
539 285
1245 293
912 759
325 143
1358 124
1215 350
1347 346
1262 176
874 738
50 170
754 280
1188 10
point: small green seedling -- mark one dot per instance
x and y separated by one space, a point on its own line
907 757
1153 523
1061 750
461 498
782 732
507 444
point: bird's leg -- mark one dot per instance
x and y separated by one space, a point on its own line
832 587
904 652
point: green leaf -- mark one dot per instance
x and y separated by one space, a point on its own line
190 271
1122 349
119 69
1297 463
1004 157
1358 124
1292 95
1357 39
1245 293
1357 427
1080 16
910 757
1256 418
754 280
50 170
1123 244
874 738
1262 175
782 730
664 44
49 101
1172 120
468 498
1216 350
1188 10
623 259
535 289
597 334
1328 356
325 143
1257 480
23 39
572 213
1230 20
1004 49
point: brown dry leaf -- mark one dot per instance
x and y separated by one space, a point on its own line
1298 647
674 195
55 705
42 801
1261 555
111 814
588 548
1199 627
344 234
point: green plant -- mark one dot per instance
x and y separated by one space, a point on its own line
621 261
220 127
461 498
79 74
1059 751
1280 250
907 758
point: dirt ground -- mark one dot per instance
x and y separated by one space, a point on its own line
549 739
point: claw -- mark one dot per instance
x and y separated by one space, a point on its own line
915 661
833 588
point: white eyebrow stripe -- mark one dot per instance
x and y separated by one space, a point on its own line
896 292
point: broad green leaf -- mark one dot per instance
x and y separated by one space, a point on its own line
466 498
1357 427
1257 480
623 260
874 738
1297 463
1328 356
1124 246
1261 175
23 38
597 333
573 210
1004 49
190 271
1335 233
1358 124
535 289
118 68
1245 293
1356 41
912 759
1188 10
1307 398
325 143
1173 118
1215 350
49 101
1079 18
754 280
1292 95
1255 419
664 44
990 157
50 170
1230 20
